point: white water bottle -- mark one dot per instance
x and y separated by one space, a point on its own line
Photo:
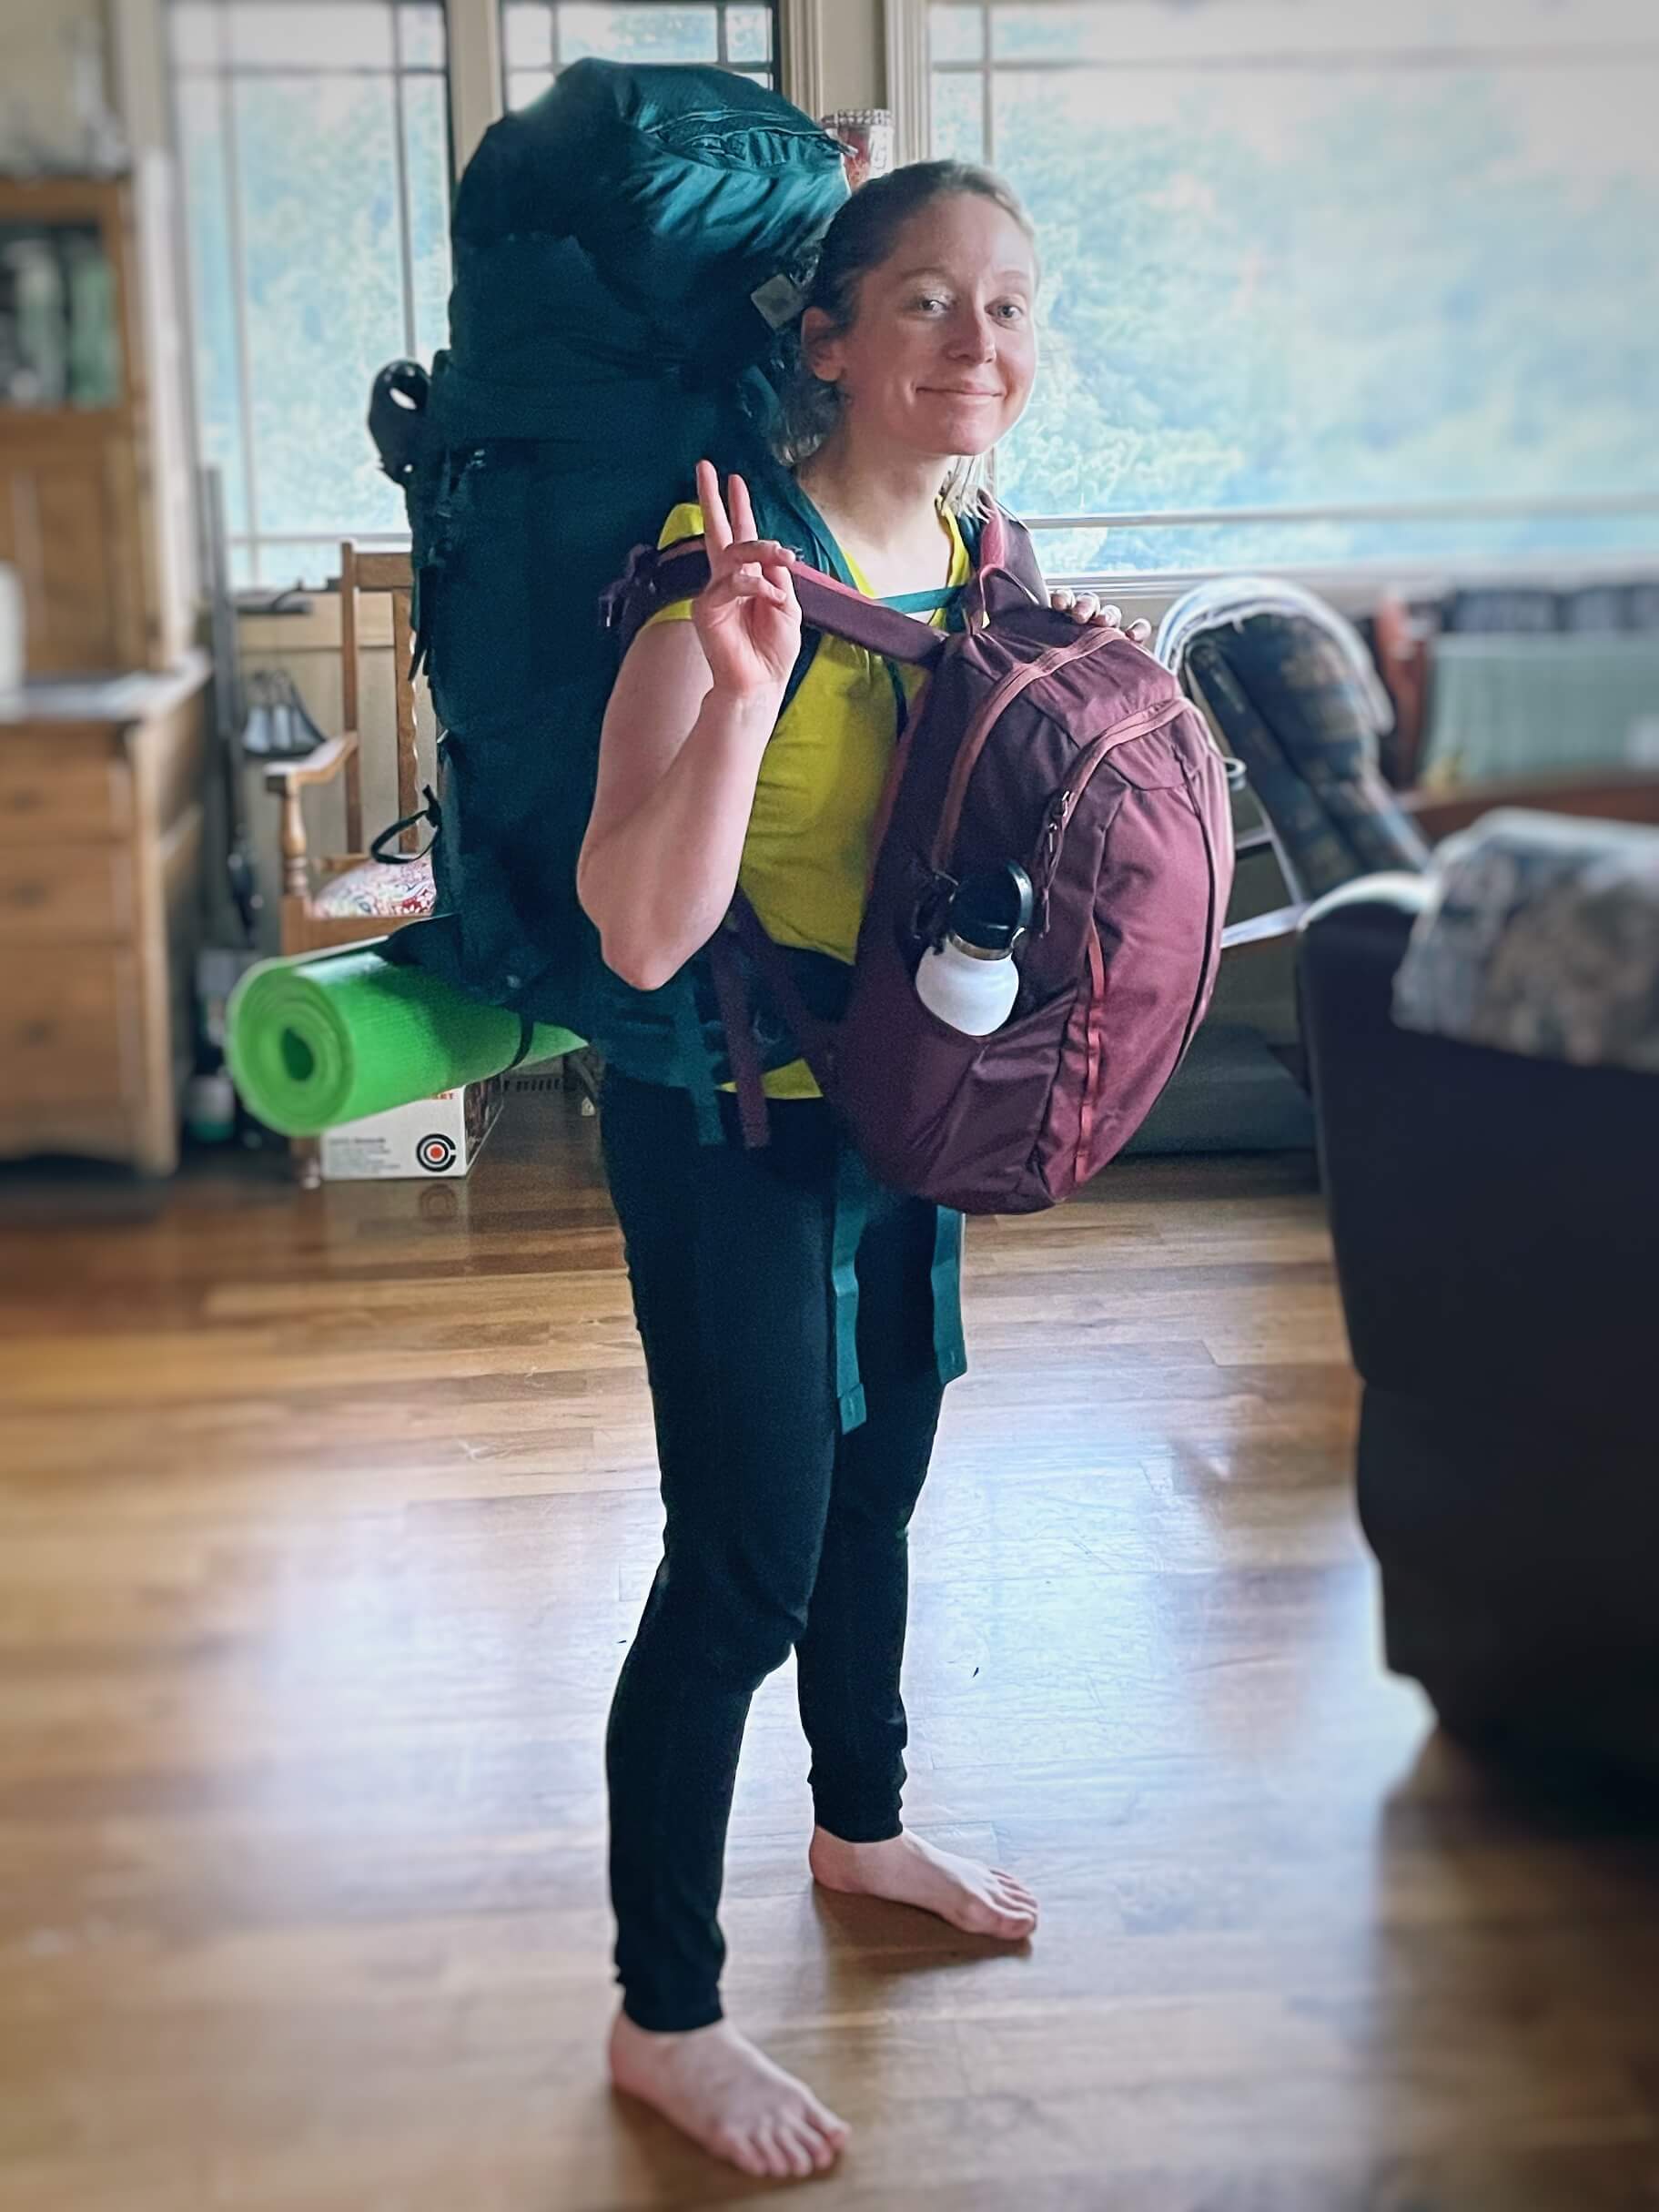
969 979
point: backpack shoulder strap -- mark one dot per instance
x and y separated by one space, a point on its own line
1002 538
654 580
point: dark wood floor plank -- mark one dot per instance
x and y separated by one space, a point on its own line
324 1520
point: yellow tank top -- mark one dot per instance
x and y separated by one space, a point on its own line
806 857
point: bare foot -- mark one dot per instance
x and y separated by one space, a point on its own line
716 2088
980 1899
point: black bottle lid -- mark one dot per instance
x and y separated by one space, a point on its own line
991 910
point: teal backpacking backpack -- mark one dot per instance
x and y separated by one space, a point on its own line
628 253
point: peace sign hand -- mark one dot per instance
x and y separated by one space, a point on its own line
747 616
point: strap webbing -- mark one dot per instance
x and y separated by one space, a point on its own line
526 1031
736 1017
925 603
949 1342
693 1053
851 1205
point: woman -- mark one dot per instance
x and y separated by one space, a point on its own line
919 352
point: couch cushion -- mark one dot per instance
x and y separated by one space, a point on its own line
393 891
1541 936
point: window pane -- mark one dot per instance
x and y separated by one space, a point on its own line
526 85
194 32
959 116
205 194
1388 279
955 33
1074 32
638 33
420 31
426 139
527 35
280 563
325 311
749 33
275 34
1201 33
1471 541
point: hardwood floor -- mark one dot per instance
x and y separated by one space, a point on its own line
323 1523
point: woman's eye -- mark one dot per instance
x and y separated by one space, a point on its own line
1011 311
929 302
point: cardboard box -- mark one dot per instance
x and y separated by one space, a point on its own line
440 1136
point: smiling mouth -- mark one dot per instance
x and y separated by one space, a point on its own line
960 391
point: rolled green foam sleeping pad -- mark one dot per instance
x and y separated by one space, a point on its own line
328 1039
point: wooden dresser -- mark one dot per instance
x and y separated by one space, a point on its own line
101 827
95 513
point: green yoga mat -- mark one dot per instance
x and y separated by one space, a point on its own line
318 1041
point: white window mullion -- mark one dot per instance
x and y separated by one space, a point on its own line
475 74
909 84
801 61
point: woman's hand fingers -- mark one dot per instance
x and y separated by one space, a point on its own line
1086 607
751 559
716 526
748 585
741 507
773 559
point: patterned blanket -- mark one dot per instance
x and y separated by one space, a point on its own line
1541 937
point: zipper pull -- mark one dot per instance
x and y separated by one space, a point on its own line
1054 828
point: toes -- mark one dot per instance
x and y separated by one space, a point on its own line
776 2158
794 2143
824 2150
1003 1914
738 2149
1009 1890
829 2124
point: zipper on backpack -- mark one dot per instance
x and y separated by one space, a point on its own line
1093 1042
1067 800
979 730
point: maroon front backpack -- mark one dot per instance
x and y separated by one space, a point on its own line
1071 752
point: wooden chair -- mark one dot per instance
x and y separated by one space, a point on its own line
346 898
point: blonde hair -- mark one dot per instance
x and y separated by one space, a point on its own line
864 232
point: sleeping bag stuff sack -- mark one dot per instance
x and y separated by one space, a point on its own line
628 251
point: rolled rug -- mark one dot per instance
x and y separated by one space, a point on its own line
317 1041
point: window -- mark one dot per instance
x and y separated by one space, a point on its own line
539 36
317 155
1325 284
315 151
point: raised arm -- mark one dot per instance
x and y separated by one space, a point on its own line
684 735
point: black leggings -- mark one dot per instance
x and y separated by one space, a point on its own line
780 1531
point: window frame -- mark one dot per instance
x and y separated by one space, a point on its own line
909 67
476 99
149 19
773 66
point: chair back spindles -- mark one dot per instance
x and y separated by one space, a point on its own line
353 772
402 653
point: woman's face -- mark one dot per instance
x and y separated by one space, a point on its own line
942 353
